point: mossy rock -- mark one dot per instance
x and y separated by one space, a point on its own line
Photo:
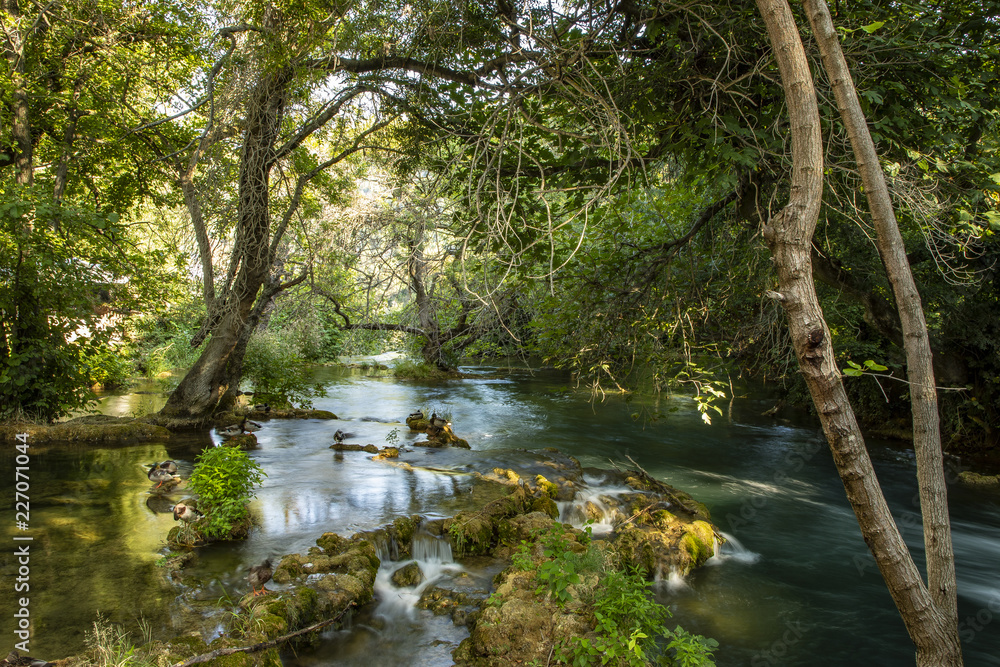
402 531
523 527
388 453
332 542
243 441
269 658
550 489
698 542
470 534
547 505
980 480
408 575
90 429
371 449
417 424
289 569
341 447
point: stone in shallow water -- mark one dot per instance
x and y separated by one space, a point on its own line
407 576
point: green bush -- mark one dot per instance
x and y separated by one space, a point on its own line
278 372
224 479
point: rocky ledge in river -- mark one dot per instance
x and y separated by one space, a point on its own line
657 530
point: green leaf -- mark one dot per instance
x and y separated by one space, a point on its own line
872 27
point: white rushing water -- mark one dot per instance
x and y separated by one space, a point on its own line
731 550
434 558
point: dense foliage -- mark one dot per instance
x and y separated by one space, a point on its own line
224 479
587 185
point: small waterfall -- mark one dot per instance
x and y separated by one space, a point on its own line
593 503
429 549
434 558
673 581
733 550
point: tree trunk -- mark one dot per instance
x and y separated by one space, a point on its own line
431 350
789 236
919 364
199 393
20 127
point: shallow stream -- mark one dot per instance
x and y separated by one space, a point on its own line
795 585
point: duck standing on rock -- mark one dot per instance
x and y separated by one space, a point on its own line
233 430
419 414
168 465
339 436
186 513
260 575
262 407
439 422
161 475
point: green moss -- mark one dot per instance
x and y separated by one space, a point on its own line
105 429
402 531
662 519
547 505
550 489
470 534
332 542
288 569
698 541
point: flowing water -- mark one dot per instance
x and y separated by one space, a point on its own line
794 585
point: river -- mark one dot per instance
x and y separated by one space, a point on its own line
795 586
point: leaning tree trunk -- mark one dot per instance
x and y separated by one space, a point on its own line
199 393
789 236
916 343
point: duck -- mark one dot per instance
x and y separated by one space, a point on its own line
262 407
186 513
260 575
230 431
249 426
163 476
419 414
168 465
339 436
15 659
439 422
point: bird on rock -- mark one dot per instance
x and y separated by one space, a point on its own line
419 414
262 407
163 476
168 465
186 513
339 435
438 421
15 659
260 575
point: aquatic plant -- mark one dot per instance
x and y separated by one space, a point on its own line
224 479
111 645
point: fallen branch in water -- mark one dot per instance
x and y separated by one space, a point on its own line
205 657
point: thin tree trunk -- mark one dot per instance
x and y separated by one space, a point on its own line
919 364
789 236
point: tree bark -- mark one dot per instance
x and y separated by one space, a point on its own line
21 112
916 343
789 236
201 390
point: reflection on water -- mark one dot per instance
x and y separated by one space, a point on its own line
794 585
